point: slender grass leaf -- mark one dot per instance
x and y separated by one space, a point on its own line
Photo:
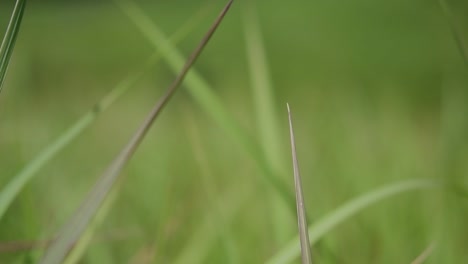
14 187
266 118
80 247
455 31
292 250
74 228
203 95
425 254
262 90
9 39
301 211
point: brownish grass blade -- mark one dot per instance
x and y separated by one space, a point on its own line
301 212
72 231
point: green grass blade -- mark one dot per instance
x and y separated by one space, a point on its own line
266 118
14 187
80 248
455 31
301 211
292 250
425 254
203 95
77 225
262 90
8 43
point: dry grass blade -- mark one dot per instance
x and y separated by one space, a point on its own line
77 225
301 212
8 43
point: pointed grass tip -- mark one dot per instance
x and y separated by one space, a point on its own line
301 212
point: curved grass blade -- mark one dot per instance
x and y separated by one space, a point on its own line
74 228
292 250
8 43
203 95
306 252
17 183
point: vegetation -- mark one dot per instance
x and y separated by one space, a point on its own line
378 97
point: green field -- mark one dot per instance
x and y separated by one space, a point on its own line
379 95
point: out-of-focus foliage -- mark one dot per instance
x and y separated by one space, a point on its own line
379 95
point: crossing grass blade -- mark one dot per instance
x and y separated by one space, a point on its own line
74 228
292 250
306 252
202 93
9 39
12 189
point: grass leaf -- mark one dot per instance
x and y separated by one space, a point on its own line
455 31
73 229
292 250
8 43
203 95
301 211
266 118
17 183
425 254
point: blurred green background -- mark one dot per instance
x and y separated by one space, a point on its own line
378 91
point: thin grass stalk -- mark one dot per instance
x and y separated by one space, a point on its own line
455 31
266 118
306 252
202 93
12 189
425 254
75 227
324 225
9 39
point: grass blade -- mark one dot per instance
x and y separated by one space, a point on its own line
203 95
72 231
292 250
301 212
8 43
263 90
17 183
455 32
425 254
266 118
